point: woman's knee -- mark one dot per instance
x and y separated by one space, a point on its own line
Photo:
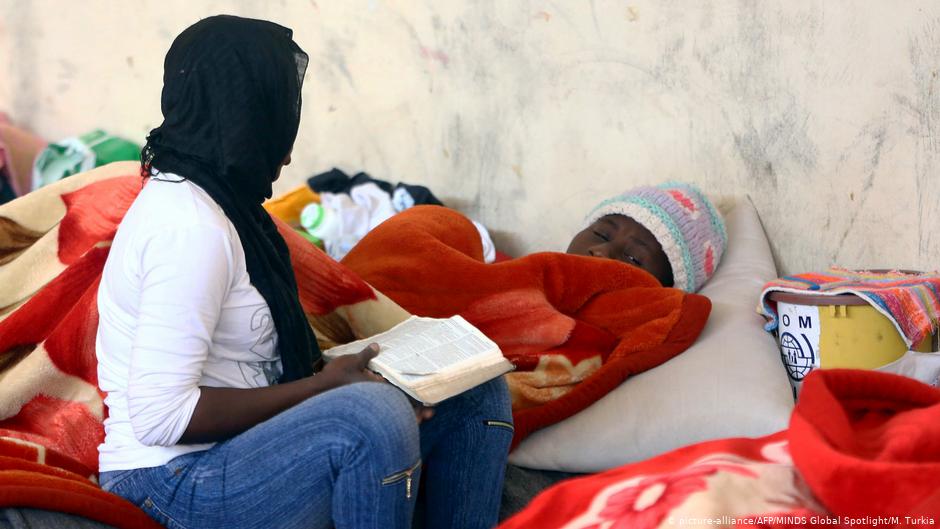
489 402
376 415
493 398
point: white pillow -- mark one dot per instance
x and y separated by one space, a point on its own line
730 383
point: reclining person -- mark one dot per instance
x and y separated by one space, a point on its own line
672 231
574 325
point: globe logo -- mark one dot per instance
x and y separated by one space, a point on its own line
799 362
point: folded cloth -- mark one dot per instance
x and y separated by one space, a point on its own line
910 301
862 449
336 181
575 327
288 206
365 207
359 204
489 248
53 246
868 443
403 195
30 476
407 195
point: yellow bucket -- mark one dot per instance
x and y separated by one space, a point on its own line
841 331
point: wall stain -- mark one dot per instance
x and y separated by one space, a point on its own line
633 13
874 134
335 56
434 55
671 69
597 26
773 142
924 56
65 75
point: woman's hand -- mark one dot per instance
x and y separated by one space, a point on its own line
352 368
348 369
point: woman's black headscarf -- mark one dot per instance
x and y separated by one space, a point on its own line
231 109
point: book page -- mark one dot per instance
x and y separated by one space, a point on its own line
424 346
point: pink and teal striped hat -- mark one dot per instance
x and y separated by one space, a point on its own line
686 224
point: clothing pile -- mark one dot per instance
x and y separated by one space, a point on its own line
351 207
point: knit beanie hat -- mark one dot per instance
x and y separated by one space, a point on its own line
685 223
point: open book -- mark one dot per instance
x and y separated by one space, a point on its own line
432 359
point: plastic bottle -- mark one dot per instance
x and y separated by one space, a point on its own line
320 222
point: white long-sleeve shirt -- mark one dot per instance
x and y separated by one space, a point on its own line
176 311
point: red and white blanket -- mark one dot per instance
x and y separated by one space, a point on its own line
862 450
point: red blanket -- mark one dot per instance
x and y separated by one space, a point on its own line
862 450
575 327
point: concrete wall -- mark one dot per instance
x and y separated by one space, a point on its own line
525 113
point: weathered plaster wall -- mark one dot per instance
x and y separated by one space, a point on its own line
525 113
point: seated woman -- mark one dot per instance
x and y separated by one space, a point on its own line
214 416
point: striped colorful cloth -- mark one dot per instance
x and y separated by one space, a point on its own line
910 301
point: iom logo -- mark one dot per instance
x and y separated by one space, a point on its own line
798 359
799 340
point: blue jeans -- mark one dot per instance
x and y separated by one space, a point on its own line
347 458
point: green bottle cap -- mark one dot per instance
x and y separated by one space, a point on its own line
312 216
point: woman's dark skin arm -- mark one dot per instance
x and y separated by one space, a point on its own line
222 413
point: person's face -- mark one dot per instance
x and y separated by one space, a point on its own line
624 239
284 163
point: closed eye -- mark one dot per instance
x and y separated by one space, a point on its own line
600 235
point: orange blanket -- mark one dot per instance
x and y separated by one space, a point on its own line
575 327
